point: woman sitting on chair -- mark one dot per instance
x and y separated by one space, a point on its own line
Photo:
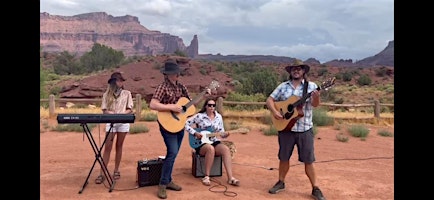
206 118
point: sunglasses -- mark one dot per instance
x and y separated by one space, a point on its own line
210 105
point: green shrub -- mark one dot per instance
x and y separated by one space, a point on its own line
342 138
71 127
321 118
138 128
270 131
385 133
149 117
358 131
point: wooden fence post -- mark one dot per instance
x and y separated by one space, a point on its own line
219 105
377 109
138 106
51 106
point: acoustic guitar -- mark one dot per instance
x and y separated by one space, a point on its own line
292 108
175 121
207 134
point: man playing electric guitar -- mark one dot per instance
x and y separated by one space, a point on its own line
299 133
165 99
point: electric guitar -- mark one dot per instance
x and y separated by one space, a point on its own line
207 134
175 121
292 108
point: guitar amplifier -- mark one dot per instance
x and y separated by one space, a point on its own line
198 166
149 172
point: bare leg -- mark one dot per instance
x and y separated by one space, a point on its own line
283 169
310 172
208 151
119 146
107 149
223 150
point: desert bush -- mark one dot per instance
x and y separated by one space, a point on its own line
385 133
266 119
71 127
149 117
364 80
321 118
359 131
342 138
271 130
138 128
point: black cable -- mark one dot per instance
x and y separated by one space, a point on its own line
333 160
225 190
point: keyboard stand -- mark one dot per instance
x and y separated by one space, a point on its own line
98 157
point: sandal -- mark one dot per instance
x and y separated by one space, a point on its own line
99 179
206 181
117 175
234 182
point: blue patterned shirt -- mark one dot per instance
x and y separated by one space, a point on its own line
285 90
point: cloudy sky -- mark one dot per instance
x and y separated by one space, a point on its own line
321 29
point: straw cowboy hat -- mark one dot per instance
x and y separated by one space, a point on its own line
298 63
170 68
116 76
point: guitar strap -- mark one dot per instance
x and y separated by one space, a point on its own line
305 85
183 91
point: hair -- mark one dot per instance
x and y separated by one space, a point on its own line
110 93
203 109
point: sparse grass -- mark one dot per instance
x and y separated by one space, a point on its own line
359 131
71 127
149 116
385 133
138 128
269 131
231 125
321 118
342 138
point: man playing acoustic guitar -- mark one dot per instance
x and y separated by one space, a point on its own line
166 101
298 132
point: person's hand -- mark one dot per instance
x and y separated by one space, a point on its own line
176 108
198 135
225 135
315 94
277 115
207 93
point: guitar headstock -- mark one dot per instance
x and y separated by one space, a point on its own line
328 83
213 85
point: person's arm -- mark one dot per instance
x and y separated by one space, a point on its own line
156 105
272 108
130 104
315 95
193 120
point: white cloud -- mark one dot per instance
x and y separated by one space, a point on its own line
325 30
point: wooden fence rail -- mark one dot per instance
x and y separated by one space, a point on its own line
220 104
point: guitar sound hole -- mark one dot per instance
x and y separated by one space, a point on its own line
287 115
290 108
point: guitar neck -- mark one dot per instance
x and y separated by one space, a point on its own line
213 134
195 99
303 99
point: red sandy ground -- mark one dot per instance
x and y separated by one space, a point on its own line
355 169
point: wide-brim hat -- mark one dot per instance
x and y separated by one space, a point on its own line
170 68
116 76
298 63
